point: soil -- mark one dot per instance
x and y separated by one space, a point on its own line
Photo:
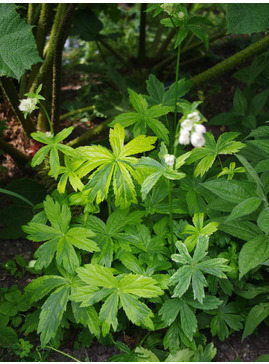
227 350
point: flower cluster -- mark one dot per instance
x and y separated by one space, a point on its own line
168 7
180 15
28 105
169 159
191 131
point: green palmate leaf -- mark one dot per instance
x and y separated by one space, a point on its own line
117 167
53 147
244 208
253 253
107 234
174 307
208 153
123 292
59 237
197 230
18 50
191 272
69 173
226 316
52 313
159 170
247 18
256 315
158 95
144 117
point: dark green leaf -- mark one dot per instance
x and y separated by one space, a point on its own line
256 315
247 18
253 253
18 50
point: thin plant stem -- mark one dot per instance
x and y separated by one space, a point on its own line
176 88
167 121
109 204
171 214
47 116
220 162
61 352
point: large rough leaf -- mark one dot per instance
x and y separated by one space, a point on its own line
247 18
17 47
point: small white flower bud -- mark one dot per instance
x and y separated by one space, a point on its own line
197 139
169 159
187 124
184 137
199 128
194 116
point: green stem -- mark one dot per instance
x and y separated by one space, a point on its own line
77 111
59 351
46 68
109 204
47 116
231 62
142 36
171 214
101 52
176 88
90 135
220 162
169 60
62 34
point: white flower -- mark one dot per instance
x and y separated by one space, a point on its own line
169 159
28 105
168 7
184 137
187 124
194 116
199 128
180 15
197 139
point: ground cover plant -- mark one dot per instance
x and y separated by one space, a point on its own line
161 229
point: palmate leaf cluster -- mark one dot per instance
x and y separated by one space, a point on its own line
108 237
